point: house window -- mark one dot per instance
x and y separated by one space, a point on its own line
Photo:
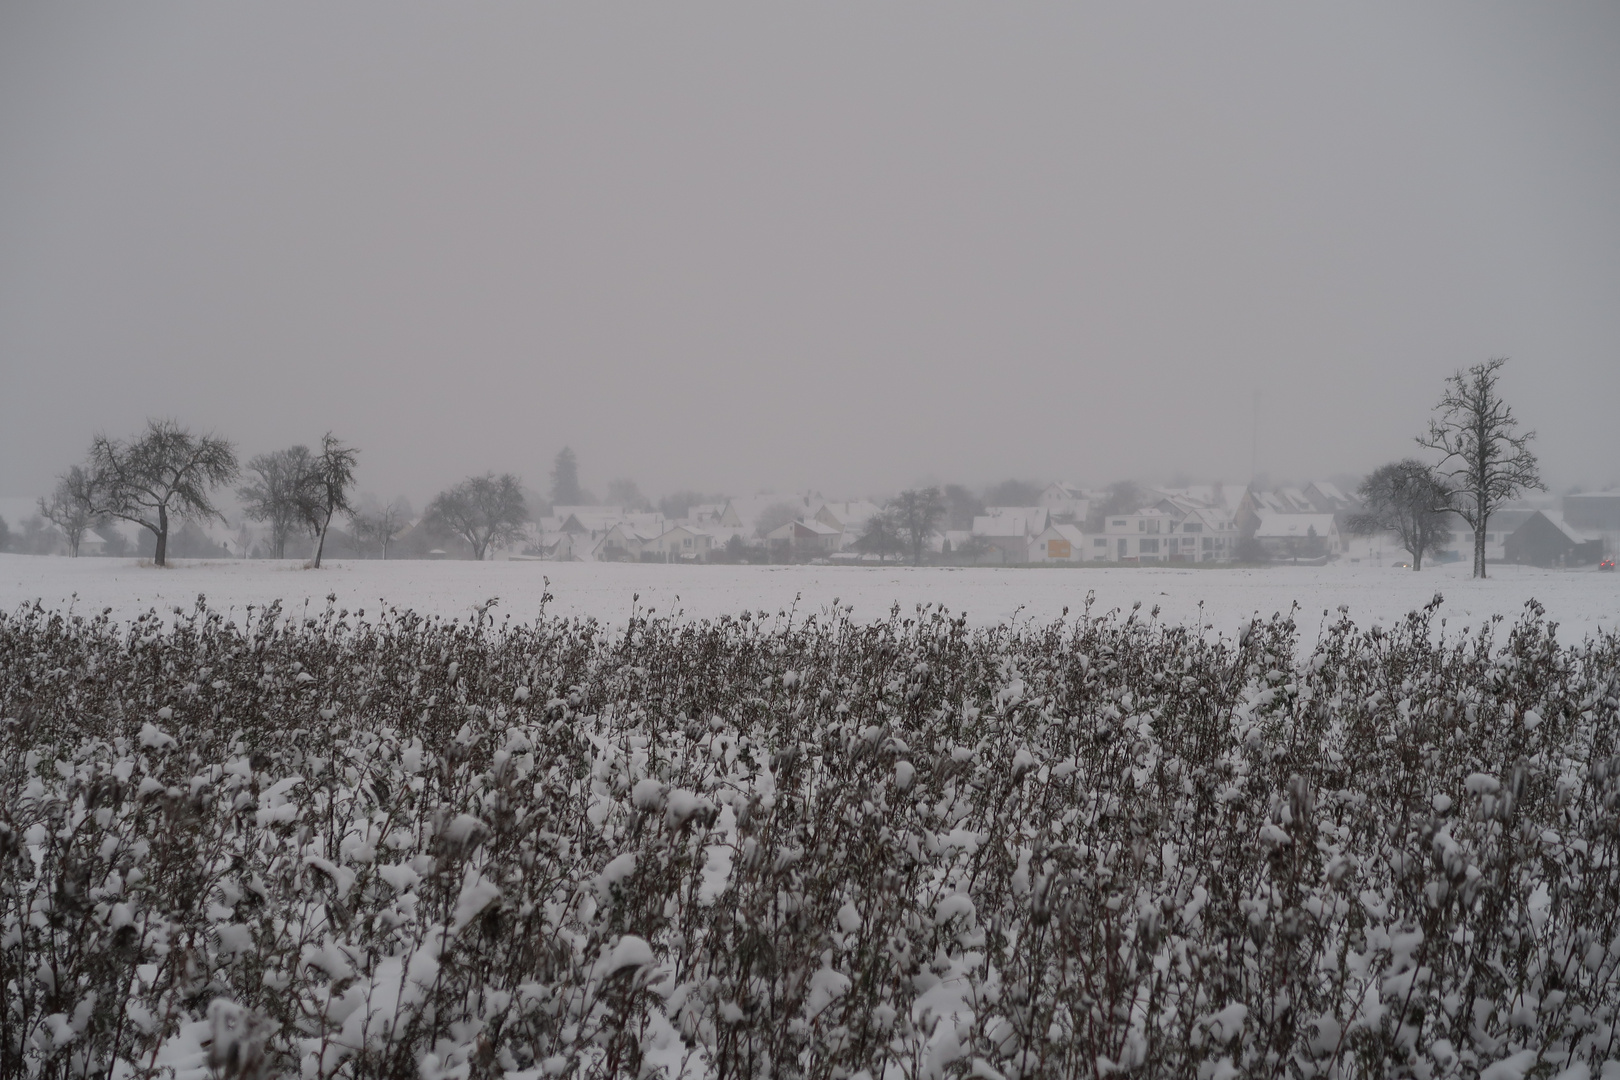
1118 523
1208 544
1099 542
1191 527
1150 546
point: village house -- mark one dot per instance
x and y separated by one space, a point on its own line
1009 529
1208 534
1146 535
1065 502
803 539
1546 539
681 542
1501 525
624 542
849 518
714 516
1298 537
1058 544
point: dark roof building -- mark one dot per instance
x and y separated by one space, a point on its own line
1595 511
1546 539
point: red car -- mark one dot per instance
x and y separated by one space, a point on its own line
1606 564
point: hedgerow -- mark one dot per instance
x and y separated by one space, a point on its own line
777 846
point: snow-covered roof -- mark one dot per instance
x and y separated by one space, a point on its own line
1214 517
1294 525
1575 536
851 514
1330 491
810 525
1071 533
690 530
1012 521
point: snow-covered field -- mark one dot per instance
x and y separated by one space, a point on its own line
1581 601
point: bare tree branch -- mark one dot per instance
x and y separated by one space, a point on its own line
166 472
485 511
1486 461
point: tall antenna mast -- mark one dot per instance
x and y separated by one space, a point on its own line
1254 447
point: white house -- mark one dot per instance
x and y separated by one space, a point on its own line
624 542
1065 501
1011 529
682 542
1058 544
1143 536
810 538
1298 536
1208 534
849 518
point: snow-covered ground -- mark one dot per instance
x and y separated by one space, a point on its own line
1582 601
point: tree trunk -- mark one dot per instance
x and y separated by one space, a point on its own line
320 544
160 556
1417 557
1479 547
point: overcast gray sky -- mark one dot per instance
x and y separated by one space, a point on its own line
848 246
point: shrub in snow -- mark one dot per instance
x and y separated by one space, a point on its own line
395 846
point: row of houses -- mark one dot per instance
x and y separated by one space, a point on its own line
1198 524
1194 525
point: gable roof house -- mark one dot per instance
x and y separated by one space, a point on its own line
849 518
1141 536
1065 501
1296 537
624 542
1010 529
1063 543
1596 513
1546 539
681 542
714 515
1256 502
803 539
1208 534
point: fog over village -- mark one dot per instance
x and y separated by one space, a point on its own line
853 542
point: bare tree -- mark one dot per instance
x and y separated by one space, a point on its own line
918 513
483 510
165 472
1409 499
324 489
275 493
381 524
880 535
70 507
1486 462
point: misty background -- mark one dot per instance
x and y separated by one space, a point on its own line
849 247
